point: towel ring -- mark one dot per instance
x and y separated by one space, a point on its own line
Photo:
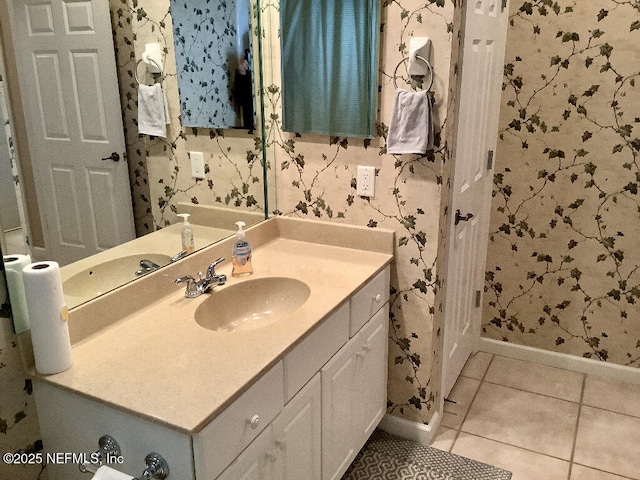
419 58
135 72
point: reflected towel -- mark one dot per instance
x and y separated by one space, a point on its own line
153 111
411 126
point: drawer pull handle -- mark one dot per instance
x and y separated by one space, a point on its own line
378 298
254 422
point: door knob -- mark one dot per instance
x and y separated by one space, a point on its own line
460 218
114 156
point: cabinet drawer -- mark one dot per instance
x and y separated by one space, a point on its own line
228 434
315 350
368 300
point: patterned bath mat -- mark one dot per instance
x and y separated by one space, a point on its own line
387 457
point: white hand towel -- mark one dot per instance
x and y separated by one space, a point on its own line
153 111
411 126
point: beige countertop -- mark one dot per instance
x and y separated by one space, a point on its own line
158 363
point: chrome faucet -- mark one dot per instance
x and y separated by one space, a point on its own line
195 288
146 266
179 255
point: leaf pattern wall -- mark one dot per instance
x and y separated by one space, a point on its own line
563 270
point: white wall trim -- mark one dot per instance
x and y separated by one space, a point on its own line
418 432
574 363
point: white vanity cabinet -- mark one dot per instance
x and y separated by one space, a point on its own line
354 395
290 448
305 418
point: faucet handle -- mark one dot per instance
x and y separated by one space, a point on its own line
211 271
186 278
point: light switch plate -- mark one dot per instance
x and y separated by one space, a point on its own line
366 181
197 164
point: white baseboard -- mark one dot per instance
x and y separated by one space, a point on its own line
418 432
574 363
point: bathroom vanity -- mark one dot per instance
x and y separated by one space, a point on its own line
289 395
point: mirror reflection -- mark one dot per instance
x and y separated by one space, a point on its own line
213 59
159 180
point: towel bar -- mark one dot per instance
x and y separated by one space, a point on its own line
419 58
159 67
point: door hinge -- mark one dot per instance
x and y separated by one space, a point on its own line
504 5
490 160
478 295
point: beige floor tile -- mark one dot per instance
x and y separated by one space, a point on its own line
535 378
612 395
523 464
578 472
462 394
444 438
523 419
477 365
608 441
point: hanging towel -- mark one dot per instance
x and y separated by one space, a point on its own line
411 126
153 111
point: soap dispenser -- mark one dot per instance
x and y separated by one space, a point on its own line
186 234
241 254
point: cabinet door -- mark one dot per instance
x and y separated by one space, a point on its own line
370 384
338 422
257 462
297 434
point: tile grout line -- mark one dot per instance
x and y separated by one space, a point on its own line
475 394
575 431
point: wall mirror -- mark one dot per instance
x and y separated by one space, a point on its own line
213 58
330 66
14 217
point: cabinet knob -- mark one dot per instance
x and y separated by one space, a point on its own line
254 422
378 298
281 444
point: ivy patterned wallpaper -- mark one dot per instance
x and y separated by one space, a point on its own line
563 270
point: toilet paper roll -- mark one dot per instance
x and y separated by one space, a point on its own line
14 264
48 317
108 473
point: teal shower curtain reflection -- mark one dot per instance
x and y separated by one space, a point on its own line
329 66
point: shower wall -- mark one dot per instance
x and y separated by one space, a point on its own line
563 269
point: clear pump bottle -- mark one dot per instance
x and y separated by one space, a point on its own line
186 234
241 254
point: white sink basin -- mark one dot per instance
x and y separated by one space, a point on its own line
106 276
251 304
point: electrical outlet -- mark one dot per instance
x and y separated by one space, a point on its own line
366 181
197 164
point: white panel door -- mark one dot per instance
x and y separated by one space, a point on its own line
69 89
484 36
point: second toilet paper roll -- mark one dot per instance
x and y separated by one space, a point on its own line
108 473
48 316
14 264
